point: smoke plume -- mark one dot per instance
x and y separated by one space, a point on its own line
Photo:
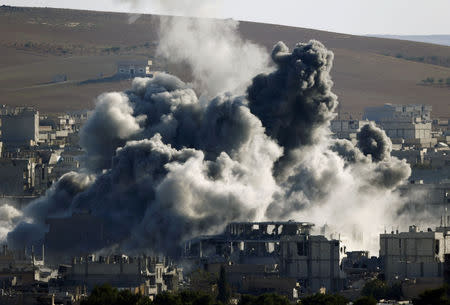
166 166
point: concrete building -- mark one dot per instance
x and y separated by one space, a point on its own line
286 248
149 274
74 236
414 254
412 156
407 129
397 111
134 68
20 127
437 158
347 129
17 176
433 197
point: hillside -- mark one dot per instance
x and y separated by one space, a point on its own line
436 39
38 43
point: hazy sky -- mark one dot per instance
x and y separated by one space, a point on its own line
403 17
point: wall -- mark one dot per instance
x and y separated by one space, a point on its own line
21 128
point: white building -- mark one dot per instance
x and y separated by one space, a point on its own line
134 68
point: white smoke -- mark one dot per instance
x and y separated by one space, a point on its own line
220 60
9 216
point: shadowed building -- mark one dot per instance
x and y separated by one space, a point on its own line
271 250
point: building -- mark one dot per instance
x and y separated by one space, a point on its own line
414 254
347 129
71 236
147 274
433 197
17 176
20 127
397 111
284 250
134 68
412 132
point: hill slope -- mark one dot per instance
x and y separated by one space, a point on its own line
38 43
436 39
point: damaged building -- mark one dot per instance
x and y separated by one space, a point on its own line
147 275
274 250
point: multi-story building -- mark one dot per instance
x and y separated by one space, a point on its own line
397 111
283 249
414 254
17 176
20 127
432 197
347 129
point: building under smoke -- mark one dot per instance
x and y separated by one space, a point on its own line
286 248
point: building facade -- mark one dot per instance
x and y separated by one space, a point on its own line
134 68
20 128
280 249
414 254
398 111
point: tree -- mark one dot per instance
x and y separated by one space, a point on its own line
432 297
167 298
380 290
365 301
324 299
224 291
264 299
187 297
106 294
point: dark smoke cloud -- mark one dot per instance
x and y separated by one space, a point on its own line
373 141
294 101
169 166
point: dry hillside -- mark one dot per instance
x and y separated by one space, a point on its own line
38 43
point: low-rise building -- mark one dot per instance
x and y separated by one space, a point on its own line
149 275
133 68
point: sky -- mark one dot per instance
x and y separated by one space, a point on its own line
360 17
